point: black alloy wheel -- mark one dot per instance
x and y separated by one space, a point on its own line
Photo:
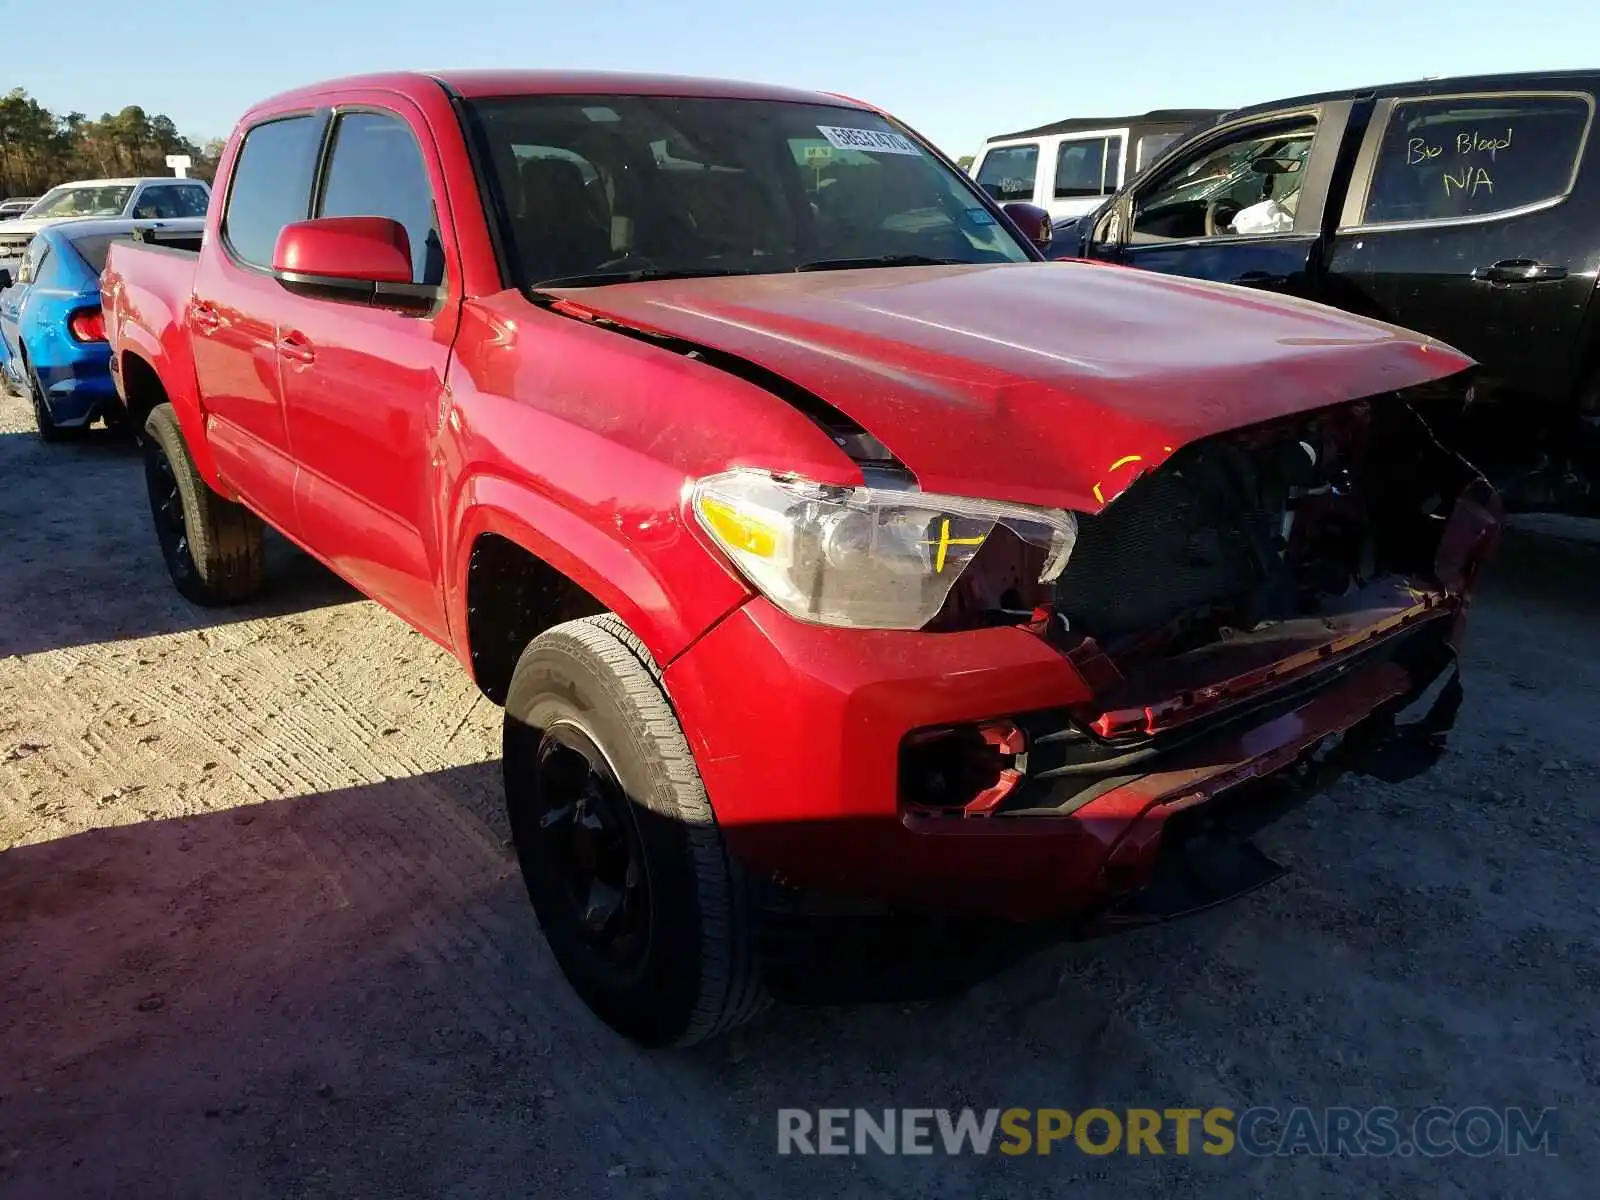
593 842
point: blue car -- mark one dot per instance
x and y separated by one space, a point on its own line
52 336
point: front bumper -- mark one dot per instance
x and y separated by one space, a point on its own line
798 730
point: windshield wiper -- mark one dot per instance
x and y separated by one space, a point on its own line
637 274
881 260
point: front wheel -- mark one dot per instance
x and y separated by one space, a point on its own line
214 548
641 905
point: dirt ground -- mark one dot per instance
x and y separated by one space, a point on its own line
261 933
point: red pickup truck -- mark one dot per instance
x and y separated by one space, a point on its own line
819 538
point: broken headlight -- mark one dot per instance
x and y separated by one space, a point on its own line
871 558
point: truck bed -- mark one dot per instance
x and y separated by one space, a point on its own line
145 290
144 296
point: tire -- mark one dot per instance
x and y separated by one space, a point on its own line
49 431
214 548
595 758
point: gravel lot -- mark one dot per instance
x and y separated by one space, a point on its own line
261 934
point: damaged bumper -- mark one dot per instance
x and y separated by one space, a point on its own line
812 792
1204 855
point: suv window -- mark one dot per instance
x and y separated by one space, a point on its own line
376 170
1007 172
1446 159
1249 183
95 200
170 201
1087 168
271 185
1151 147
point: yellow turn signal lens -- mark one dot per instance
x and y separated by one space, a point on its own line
736 530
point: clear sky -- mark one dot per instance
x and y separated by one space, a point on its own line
957 70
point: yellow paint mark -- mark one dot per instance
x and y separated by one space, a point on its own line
1125 460
1097 494
946 541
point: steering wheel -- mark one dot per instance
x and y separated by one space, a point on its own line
1220 214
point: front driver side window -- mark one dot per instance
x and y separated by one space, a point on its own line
1247 184
1007 172
376 170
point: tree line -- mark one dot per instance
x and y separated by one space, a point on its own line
39 148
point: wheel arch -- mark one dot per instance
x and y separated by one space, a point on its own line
522 562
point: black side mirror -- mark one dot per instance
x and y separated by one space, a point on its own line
5 279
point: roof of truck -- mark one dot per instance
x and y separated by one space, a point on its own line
1449 85
480 84
1156 116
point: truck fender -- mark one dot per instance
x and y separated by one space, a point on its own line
171 361
666 619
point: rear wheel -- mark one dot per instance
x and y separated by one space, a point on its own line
213 548
639 902
49 431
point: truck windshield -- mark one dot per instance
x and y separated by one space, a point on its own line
598 189
103 201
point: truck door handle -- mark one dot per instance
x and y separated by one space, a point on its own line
1518 270
204 317
294 347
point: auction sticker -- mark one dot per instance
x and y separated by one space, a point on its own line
873 141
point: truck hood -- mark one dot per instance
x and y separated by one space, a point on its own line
1041 383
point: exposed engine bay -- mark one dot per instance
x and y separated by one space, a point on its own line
1310 517
1220 587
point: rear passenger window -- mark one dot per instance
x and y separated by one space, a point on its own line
1475 156
271 185
1087 168
377 171
1007 172
1150 147
170 201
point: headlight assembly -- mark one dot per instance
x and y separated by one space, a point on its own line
870 558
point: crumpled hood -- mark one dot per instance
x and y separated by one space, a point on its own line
1041 383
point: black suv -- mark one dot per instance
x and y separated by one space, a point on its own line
1467 209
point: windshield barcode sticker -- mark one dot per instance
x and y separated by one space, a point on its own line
873 141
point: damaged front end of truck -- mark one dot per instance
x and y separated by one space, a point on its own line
1270 607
